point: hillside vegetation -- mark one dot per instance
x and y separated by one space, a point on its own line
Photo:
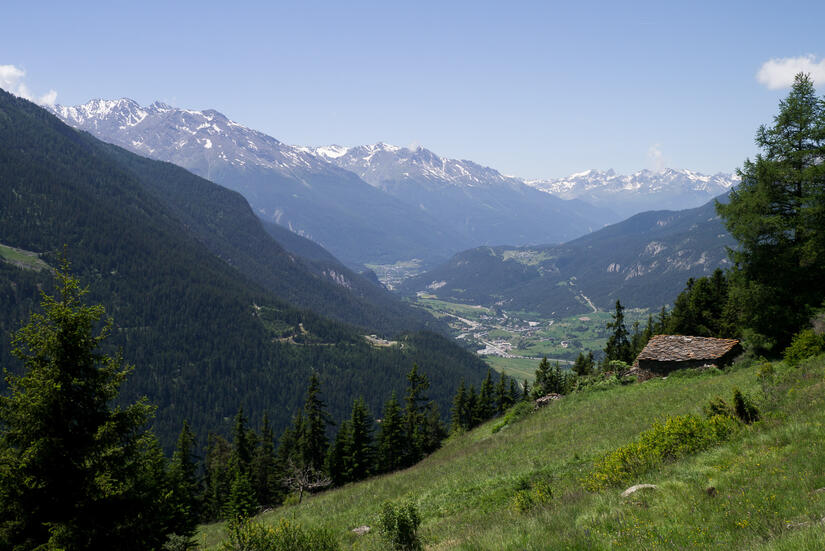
526 486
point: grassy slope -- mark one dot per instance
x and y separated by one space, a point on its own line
764 477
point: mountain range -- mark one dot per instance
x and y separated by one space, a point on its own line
641 191
212 311
379 204
643 261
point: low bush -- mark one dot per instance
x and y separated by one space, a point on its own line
398 525
531 493
287 535
805 344
742 408
674 438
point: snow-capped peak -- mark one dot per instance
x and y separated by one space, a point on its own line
127 111
641 190
330 151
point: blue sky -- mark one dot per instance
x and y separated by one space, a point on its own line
535 89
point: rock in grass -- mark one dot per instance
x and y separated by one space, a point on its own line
544 400
361 530
637 487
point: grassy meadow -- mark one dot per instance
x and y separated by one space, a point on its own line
24 259
523 485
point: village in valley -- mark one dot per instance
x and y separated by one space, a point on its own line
514 342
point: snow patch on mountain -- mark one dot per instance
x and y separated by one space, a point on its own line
644 181
382 162
198 140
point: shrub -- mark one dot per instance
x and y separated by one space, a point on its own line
247 535
744 407
805 344
675 438
718 406
398 525
530 494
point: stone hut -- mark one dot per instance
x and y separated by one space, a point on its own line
666 353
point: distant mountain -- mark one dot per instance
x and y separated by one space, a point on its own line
370 204
641 191
284 184
643 261
196 287
467 198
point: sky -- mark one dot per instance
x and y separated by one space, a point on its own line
533 89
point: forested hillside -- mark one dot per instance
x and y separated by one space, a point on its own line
205 338
223 221
644 260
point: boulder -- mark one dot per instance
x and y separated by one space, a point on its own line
637 487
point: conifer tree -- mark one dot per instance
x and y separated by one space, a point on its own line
503 400
458 412
486 397
649 328
700 309
417 384
472 408
618 345
240 502
777 214
583 365
312 438
74 469
515 395
337 462
662 322
184 483
241 442
434 431
264 475
540 383
391 439
361 450
217 476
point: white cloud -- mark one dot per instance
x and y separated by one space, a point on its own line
656 158
11 80
779 72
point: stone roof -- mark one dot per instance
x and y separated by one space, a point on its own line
679 348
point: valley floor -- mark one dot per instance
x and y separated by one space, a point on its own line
762 489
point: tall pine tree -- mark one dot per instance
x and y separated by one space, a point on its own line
391 439
777 214
73 468
312 438
618 345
